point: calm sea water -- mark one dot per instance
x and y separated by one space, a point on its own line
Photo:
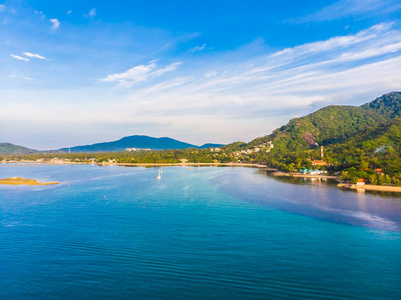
200 233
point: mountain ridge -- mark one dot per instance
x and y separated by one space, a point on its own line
136 141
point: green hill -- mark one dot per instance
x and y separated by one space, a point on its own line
7 148
388 105
332 124
357 141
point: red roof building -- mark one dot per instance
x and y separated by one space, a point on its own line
318 163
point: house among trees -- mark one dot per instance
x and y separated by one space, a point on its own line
318 163
379 171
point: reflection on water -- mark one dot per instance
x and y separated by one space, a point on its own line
332 182
319 199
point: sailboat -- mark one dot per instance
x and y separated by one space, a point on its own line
159 176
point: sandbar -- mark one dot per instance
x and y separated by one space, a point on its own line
24 181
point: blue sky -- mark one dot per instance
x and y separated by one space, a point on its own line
80 72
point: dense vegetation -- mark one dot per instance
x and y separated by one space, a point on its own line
357 141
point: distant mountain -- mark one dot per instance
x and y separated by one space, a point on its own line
136 141
333 124
7 148
209 145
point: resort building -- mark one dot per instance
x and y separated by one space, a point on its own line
360 182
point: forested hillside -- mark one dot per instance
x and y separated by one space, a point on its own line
7 148
332 124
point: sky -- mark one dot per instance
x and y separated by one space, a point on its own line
81 72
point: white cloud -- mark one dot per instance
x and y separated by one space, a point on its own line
19 57
2 7
34 55
27 78
12 76
346 8
140 73
198 48
210 74
92 12
336 42
40 13
68 12
241 97
246 94
56 23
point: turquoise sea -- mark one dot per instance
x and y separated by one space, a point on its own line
109 232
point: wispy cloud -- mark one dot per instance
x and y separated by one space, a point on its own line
210 74
40 13
346 8
92 13
290 82
12 76
68 12
198 48
339 43
19 57
2 7
56 23
27 78
233 95
140 73
31 55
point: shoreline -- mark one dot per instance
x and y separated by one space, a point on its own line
276 173
60 162
284 174
368 187
342 184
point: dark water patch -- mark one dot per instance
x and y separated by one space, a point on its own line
319 199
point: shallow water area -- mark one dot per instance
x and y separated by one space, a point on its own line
198 232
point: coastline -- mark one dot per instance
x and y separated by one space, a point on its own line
284 174
194 164
368 187
275 172
342 184
61 162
